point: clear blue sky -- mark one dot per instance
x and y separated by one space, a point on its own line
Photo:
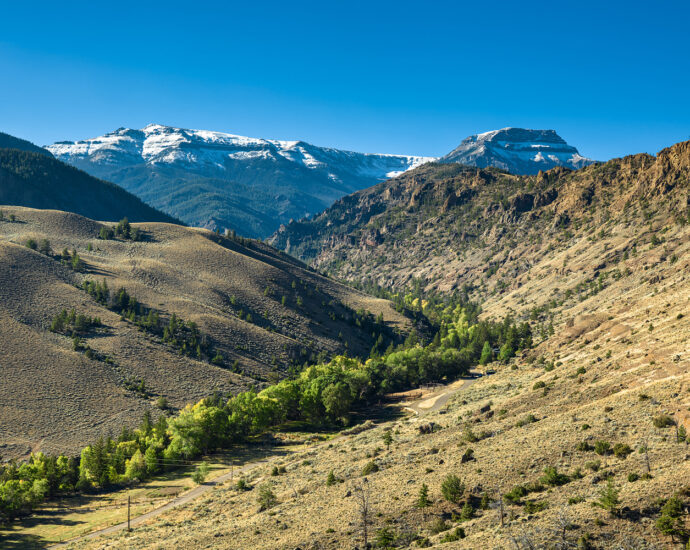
401 77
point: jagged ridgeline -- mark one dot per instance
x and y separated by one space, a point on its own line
449 225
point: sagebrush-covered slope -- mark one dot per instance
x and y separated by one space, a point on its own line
604 394
261 310
449 225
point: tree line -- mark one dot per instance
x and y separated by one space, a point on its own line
322 395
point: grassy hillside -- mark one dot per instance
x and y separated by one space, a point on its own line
38 181
257 312
579 442
605 397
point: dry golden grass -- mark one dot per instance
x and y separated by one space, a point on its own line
631 374
54 399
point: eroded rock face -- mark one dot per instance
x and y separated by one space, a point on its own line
454 219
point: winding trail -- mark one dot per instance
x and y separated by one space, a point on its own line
177 501
429 403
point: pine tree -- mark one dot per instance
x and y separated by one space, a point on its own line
423 501
385 538
608 498
452 489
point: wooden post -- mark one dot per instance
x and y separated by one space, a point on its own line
129 502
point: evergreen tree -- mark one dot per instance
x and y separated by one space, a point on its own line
608 498
452 489
387 438
423 501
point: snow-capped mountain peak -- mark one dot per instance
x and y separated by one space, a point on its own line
269 180
517 150
156 143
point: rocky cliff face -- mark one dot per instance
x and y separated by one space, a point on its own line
517 150
449 225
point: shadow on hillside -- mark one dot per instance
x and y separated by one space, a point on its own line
14 535
10 541
91 270
11 537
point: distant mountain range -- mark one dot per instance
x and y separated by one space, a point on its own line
225 181
518 151
252 185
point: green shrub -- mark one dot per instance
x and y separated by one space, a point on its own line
632 477
452 489
553 477
370 468
516 494
534 506
621 450
457 534
385 538
44 247
242 485
31 243
538 385
267 498
584 446
467 456
663 421
602 448
199 475
439 525
608 498
529 419
593 465
467 511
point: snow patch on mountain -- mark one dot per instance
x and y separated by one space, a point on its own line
157 144
517 150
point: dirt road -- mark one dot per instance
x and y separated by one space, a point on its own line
177 501
430 403
436 400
